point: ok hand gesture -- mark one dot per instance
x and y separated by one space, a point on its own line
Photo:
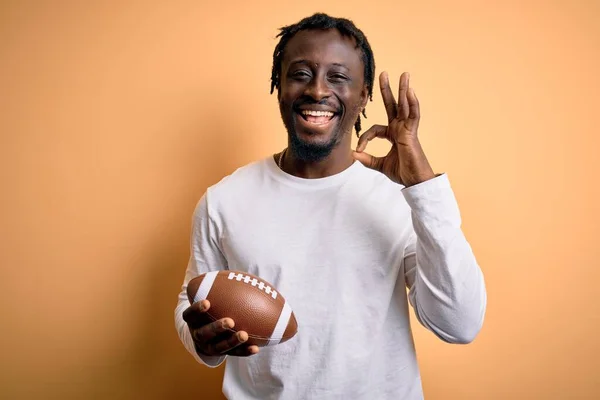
406 162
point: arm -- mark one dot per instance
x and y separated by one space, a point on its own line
446 285
205 256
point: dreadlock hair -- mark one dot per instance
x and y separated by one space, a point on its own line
324 22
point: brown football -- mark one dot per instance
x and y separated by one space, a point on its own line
253 304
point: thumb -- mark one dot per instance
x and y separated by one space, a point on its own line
368 160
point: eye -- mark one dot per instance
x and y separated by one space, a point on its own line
337 77
300 74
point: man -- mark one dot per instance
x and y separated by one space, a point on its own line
339 233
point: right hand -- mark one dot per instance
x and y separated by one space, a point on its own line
216 338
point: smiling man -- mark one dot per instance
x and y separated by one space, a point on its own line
321 89
341 234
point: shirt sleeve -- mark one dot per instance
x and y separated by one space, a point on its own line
446 285
205 256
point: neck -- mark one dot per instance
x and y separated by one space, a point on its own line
336 162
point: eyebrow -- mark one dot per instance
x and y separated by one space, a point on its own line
308 62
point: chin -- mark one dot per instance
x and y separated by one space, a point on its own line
312 141
310 147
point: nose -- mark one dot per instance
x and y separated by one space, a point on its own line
317 88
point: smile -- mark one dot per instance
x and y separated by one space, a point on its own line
318 118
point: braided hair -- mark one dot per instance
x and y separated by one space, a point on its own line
324 22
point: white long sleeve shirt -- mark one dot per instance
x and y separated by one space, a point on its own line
344 251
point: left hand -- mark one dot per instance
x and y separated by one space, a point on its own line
406 162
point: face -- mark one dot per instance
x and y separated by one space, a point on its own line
321 92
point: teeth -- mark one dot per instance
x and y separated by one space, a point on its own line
317 113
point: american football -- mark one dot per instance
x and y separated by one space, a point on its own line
253 304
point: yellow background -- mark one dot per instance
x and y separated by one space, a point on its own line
116 116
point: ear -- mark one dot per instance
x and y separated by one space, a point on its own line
364 96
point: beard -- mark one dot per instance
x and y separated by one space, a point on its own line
316 150
310 151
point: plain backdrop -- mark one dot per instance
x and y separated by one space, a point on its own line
115 116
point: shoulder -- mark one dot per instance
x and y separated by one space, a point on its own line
242 181
377 182
380 195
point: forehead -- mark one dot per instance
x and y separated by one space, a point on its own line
323 47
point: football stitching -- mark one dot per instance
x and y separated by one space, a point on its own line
254 282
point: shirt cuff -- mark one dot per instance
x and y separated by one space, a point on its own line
209 361
433 199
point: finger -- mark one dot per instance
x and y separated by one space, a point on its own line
379 131
212 330
230 342
195 315
414 111
244 351
369 161
391 107
402 97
